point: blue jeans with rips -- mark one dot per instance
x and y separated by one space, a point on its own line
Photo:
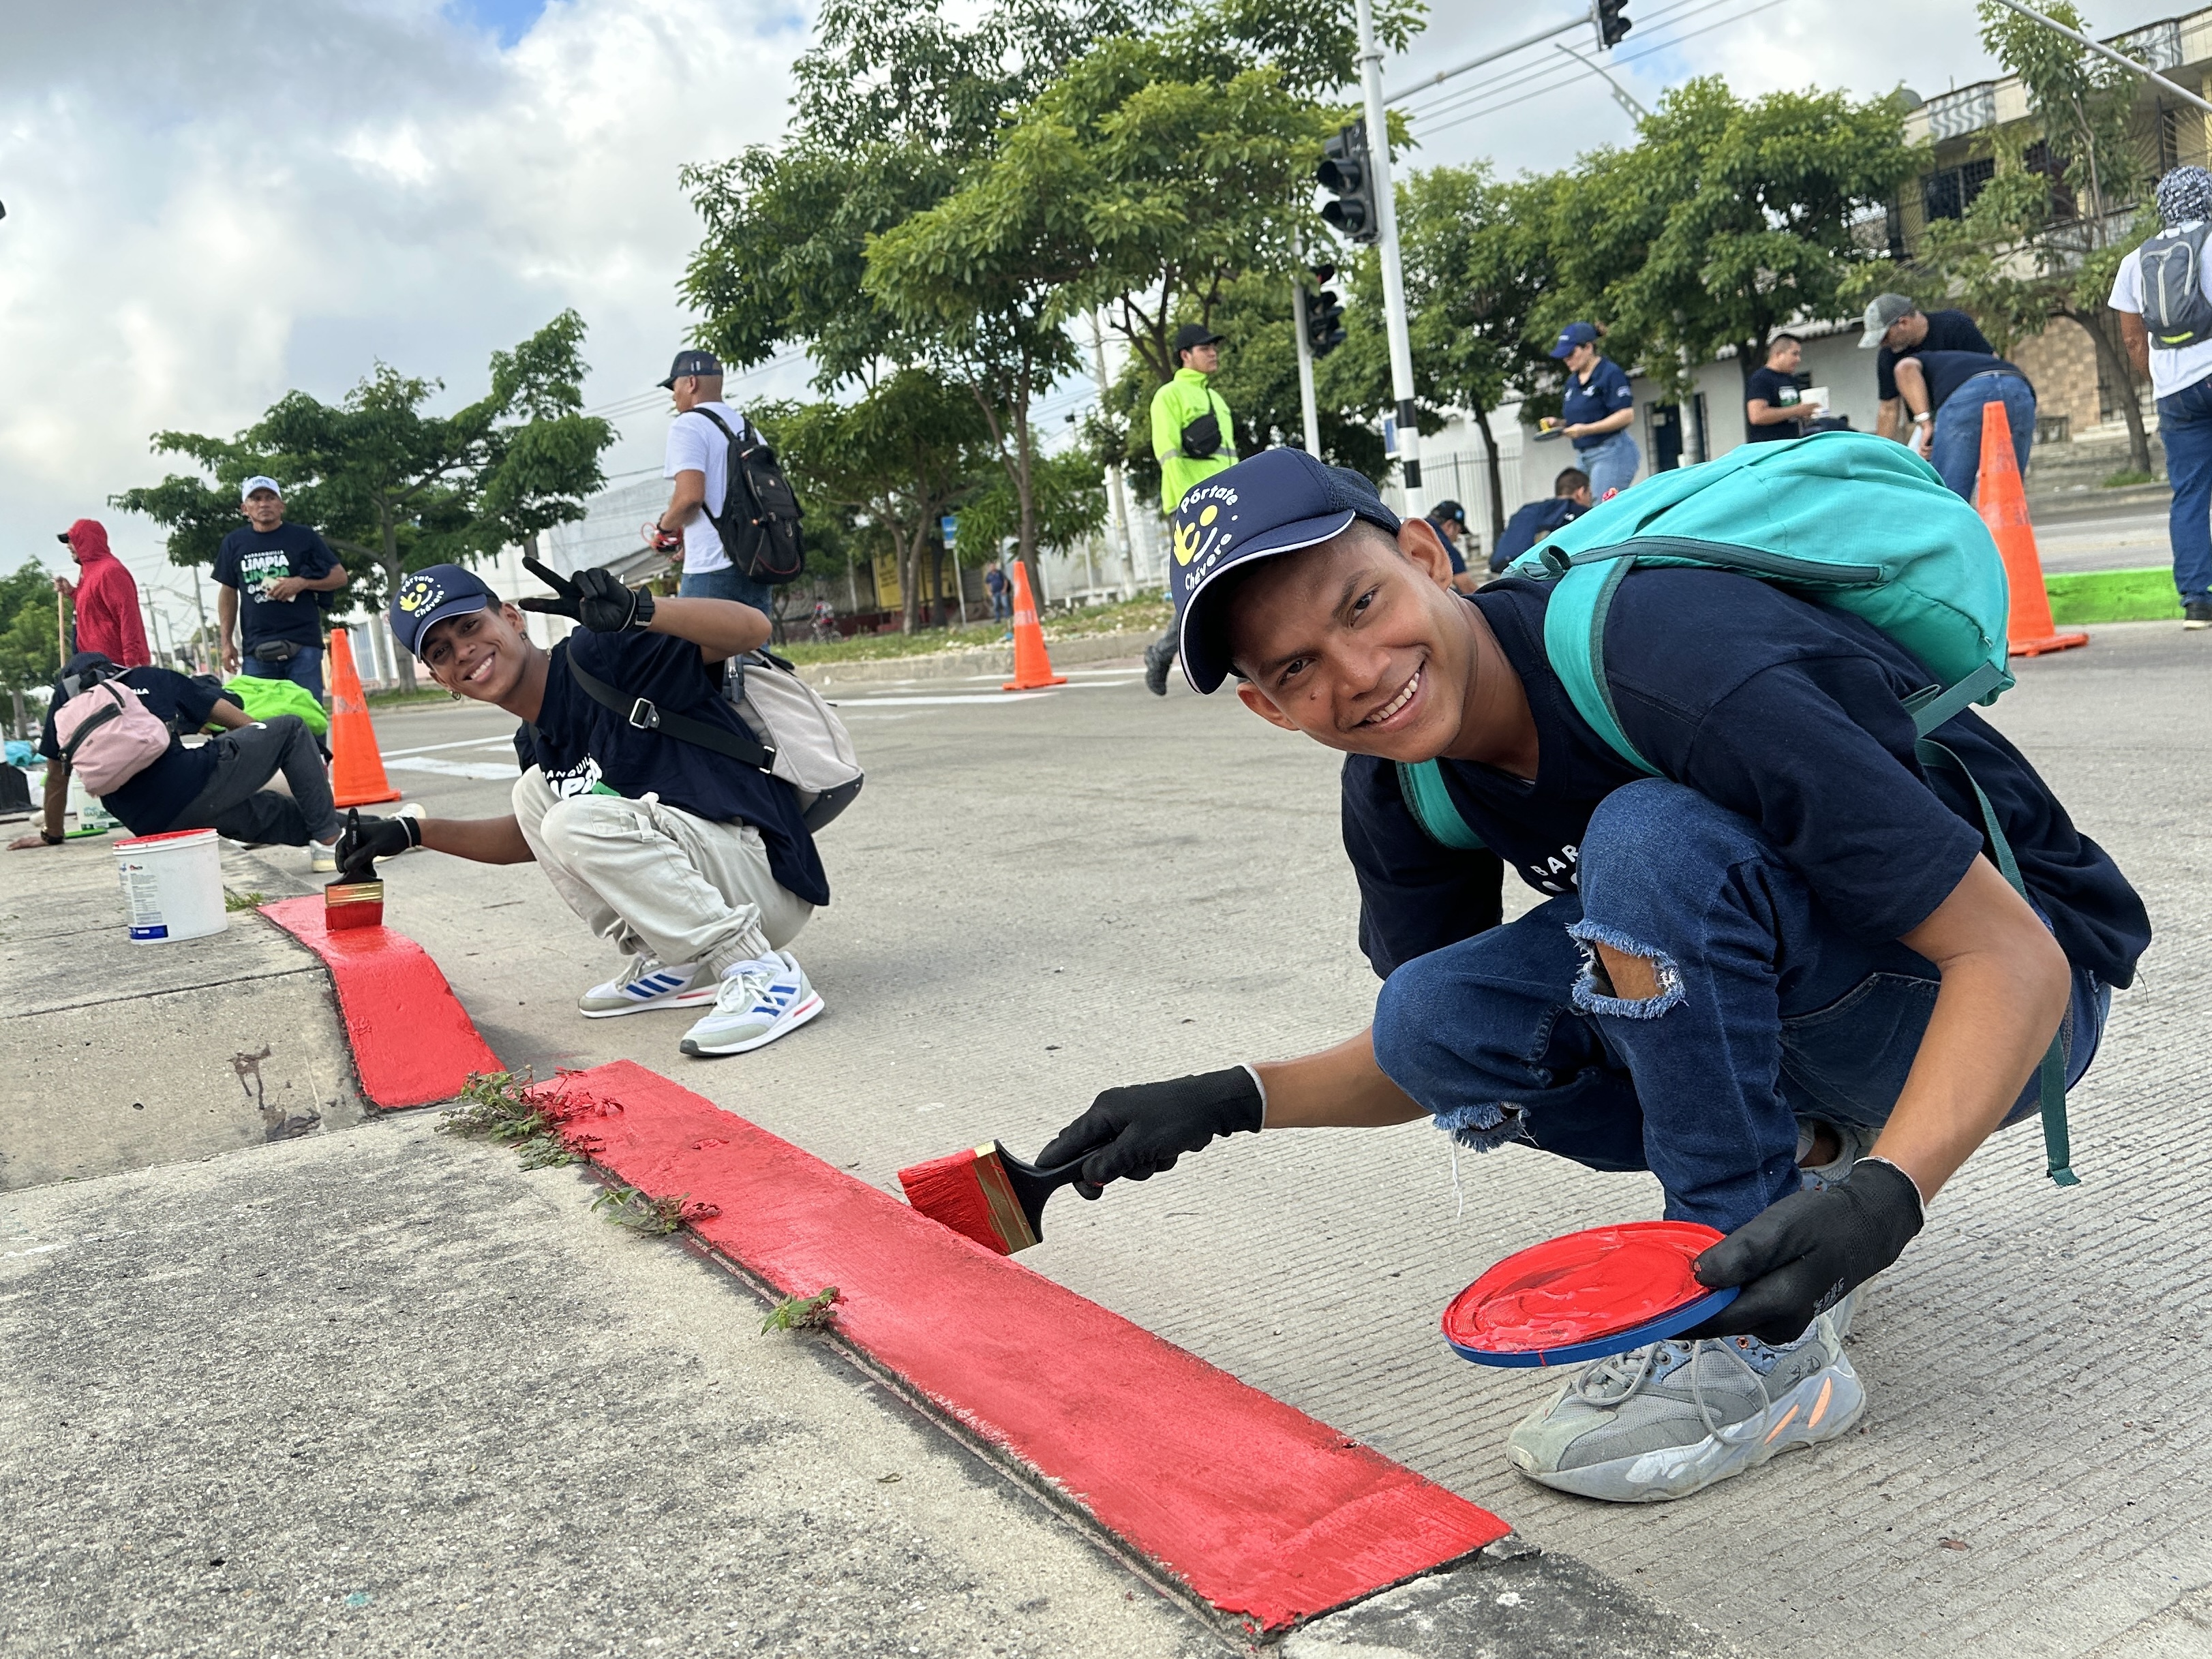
1767 1010
1955 450
727 584
2185 425
304 668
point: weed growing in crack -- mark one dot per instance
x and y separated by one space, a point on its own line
804 1313
499 1106
234 902
633 1207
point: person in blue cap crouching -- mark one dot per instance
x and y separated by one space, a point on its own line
1782 975
696 864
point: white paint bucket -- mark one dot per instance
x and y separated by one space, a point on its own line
172 885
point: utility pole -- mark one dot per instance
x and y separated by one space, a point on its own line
204 648
1393 279
1308 404
1113 491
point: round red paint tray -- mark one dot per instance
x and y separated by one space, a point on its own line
1586 1295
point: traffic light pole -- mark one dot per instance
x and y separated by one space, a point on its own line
1386 246
1308 406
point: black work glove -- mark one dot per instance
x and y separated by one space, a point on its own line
1798 1258
593 597
364 841
1135 1133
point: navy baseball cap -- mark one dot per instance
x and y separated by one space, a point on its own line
1573 335
429 596
1278 502
688 364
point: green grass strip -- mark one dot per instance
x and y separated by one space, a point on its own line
2108 596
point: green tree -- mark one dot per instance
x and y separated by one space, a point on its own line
30 634
1723 222
898 457
393 486
1071 504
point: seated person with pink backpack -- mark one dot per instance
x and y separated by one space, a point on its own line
119 730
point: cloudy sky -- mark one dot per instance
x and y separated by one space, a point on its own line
210 202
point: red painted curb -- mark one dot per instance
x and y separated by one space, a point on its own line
413 1043
1267 1514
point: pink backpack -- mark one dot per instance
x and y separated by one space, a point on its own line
109 736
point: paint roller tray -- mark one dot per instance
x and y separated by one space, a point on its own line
1586 1295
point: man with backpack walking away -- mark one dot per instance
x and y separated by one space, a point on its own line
1811 929
697 866
732 516
2163 293
124 730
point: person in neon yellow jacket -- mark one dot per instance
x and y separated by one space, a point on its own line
1193 438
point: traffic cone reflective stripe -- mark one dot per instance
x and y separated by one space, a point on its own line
356 769
2003 503
1032 665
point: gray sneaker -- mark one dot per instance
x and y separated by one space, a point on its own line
1672 1418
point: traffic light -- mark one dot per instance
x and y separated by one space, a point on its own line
1324 315
1344 172
1612 24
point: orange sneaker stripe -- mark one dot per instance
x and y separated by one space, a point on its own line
1821 1406
1783 1424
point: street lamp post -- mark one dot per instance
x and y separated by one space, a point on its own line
1394 280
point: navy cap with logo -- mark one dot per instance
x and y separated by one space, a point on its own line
430 595
1278 501
688 364
1573 335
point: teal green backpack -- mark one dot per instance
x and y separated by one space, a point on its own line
1844 519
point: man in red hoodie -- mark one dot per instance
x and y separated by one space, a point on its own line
107 619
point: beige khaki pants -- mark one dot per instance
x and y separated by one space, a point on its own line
655 880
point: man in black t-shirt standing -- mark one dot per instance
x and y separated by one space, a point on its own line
1773 410
269 577
1777 970
696 864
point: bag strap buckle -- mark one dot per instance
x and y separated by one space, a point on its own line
645 716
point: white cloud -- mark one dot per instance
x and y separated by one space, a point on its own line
209 204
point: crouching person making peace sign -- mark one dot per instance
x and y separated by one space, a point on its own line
697 865
1776 964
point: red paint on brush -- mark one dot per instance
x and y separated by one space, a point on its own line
949 1191
413 1043
1267 1514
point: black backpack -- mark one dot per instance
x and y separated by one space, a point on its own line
759 521
2175 310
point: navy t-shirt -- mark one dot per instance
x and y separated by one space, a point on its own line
150 803
1607 393
1947 330
1773 707
1530 523
252 562
1777 391
578 741
1947 371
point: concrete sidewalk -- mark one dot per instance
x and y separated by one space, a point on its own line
1036 900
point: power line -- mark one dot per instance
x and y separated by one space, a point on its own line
1657 47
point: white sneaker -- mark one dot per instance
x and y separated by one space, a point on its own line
648 984
323 858
759 1002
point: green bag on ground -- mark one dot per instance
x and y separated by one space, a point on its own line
1844 519
261 699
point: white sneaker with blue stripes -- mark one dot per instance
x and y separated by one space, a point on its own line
648 984
760 1001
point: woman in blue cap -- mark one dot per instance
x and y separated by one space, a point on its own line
1595 409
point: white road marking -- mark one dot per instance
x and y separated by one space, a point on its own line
433 748
970 698
453 768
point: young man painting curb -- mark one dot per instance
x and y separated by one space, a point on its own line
697 866
1781 975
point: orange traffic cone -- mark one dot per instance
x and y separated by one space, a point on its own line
1032 665
2003 503
356 769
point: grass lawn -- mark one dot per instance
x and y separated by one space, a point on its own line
1148 615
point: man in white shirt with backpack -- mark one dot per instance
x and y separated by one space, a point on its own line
699 441
2164 297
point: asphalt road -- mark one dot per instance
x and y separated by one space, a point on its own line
1039 896
2079 537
